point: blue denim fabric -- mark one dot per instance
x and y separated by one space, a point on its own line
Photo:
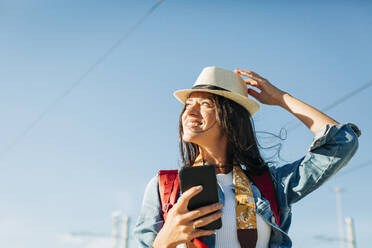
331 149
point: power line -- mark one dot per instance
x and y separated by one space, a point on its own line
360 166
347 96
64 94
332 105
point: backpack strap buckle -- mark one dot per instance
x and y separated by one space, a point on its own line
167 207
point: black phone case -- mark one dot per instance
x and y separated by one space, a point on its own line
205 176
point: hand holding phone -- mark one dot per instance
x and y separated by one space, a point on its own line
183 225
206 177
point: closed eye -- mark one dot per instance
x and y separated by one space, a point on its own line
207 104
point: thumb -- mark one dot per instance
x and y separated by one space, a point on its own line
183 201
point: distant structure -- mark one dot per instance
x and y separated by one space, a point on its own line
117 239
117 222
338 191
350 232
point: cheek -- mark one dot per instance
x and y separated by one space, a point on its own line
210 119
183 119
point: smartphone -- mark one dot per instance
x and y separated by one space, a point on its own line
205 176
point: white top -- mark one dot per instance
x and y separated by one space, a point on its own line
227 236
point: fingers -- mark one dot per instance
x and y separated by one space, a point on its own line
250 74
207 219
183 201
203 211
254 93
247 73
200 233
252 82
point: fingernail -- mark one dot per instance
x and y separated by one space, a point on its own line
219 205
199 187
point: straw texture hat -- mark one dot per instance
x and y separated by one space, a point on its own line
221 82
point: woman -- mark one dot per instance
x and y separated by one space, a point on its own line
216 129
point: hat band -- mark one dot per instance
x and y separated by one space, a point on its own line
209 87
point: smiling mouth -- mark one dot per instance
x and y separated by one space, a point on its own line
193 124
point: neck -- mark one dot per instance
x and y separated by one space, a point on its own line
216 156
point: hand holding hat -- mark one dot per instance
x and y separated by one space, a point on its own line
269 94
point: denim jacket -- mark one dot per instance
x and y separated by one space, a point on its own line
331 149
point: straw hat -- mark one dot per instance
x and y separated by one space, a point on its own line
221 82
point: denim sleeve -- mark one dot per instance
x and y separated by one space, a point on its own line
331 149
150 219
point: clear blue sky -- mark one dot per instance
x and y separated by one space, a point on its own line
97 149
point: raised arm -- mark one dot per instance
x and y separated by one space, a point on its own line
271 95
328 153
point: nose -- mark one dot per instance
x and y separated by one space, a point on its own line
193 109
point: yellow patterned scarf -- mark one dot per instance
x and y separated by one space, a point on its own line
245 209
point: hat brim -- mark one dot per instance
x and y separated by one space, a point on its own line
251 106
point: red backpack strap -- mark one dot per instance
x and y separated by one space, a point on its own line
199 244
168 189
265 184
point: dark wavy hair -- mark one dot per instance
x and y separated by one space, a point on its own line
242 145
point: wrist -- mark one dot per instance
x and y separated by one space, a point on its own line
155 245
160 242
161 245
282 99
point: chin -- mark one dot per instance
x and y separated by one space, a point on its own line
189 138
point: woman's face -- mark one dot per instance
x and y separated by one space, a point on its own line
199 120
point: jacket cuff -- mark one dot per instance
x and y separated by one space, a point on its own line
321 137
